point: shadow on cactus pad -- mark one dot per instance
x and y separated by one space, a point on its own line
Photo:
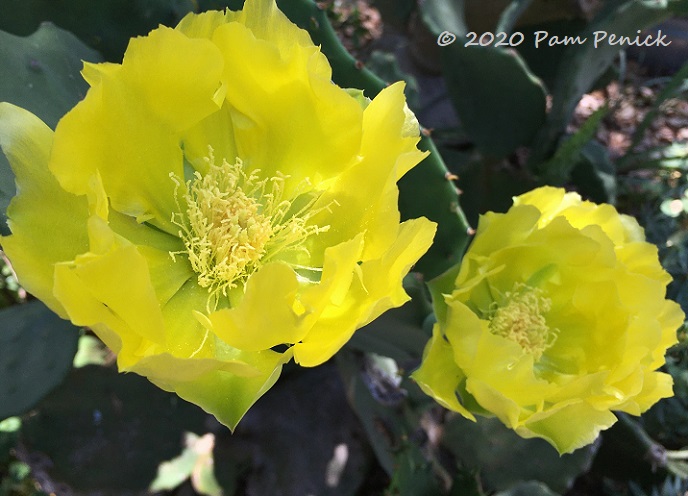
108 432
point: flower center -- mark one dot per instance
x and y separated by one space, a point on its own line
521 319
233 222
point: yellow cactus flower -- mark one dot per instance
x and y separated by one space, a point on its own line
556 318
215 206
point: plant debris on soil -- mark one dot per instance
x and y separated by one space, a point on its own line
357 23
629 102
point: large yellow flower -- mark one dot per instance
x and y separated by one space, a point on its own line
216 205
557 317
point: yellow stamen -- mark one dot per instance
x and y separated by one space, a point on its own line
233 222
521 319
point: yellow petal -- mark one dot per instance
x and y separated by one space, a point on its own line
216 133
95 73
375 289
266 316
114 289
506 370
463 330
498 230
48 224
127 128
185 335
190 68
439 376
655 386
504 408
202 25
382 277
224 394
386 154
268 23
283 103
571 427
671 317
332 305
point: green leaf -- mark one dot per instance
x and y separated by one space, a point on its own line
204 5
392 336
544 60
627 452
392 429
486 16
45 68
384 426
91 351
413 474
427 191
557 169
482 82
386 66
678 84
398 333
7 191
195 462
36 352
678 7
395 12
466 484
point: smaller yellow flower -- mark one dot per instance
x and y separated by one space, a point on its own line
557 317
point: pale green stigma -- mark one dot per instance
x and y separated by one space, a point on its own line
233 222
521 318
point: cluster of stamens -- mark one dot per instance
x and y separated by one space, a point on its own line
232 222
520 318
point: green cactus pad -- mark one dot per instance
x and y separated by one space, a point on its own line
495 450
106 25
482 83
300 438
99 418
36 352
